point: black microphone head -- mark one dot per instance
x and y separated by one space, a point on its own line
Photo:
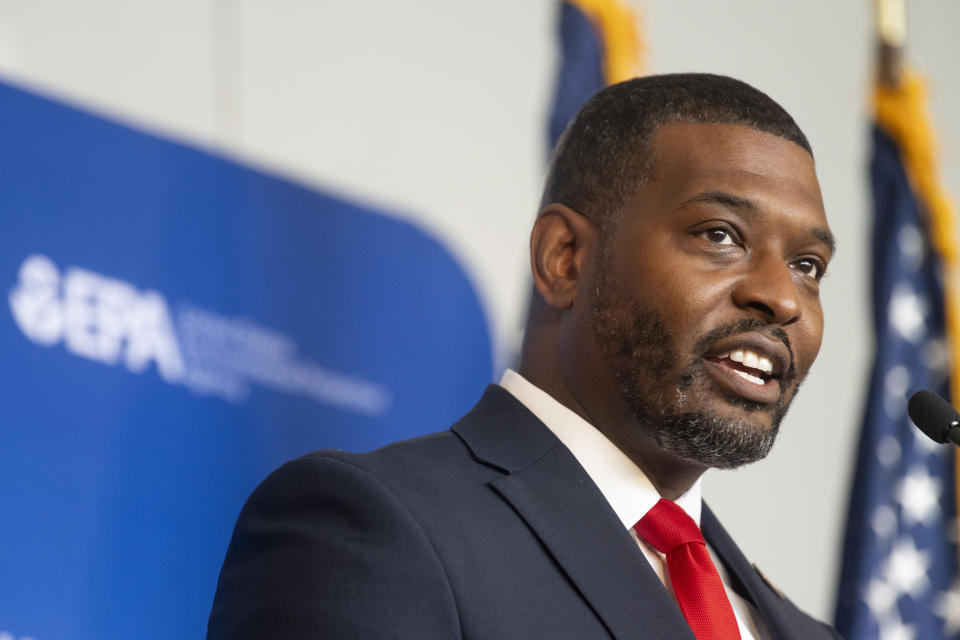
932 414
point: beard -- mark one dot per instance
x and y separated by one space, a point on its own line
641 352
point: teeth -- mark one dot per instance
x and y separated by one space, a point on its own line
747 376
750 359
765 365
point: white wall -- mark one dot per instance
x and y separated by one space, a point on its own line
436 109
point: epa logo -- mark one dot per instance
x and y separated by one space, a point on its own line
96 317
111 321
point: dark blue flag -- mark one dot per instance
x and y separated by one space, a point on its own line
598 46
898 579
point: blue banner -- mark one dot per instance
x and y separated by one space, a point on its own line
175 327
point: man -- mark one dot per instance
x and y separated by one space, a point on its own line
676 259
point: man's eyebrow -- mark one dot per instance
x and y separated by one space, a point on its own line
721 198
744 204
824 236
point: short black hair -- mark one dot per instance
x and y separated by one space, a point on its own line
603 156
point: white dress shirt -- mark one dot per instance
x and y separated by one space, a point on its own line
627 489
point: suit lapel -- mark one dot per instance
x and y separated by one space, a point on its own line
549 489
776 612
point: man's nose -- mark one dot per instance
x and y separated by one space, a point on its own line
769 290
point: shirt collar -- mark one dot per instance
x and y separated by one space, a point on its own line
622 483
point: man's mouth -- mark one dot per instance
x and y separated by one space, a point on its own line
751 366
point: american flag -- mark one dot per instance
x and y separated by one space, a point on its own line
899 578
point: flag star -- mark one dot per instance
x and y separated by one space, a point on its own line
936 356
896 630
907 312
888 452
896 383
884 521
880 598
906 567
911 244
919 496
947 606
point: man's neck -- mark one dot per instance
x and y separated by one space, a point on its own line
623 483
671 476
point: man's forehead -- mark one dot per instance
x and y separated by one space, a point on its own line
681 137
733 166
688 152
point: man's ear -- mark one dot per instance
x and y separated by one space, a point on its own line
561 245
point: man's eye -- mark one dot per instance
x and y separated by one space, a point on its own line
809 267
718 236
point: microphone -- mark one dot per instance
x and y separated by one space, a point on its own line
934 416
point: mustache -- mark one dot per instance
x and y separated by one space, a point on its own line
749 324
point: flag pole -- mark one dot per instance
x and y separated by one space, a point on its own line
891 31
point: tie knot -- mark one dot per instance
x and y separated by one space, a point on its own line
666 526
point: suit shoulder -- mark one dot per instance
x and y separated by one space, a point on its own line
413 475
324 543
430 455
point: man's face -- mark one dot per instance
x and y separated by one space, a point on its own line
705 304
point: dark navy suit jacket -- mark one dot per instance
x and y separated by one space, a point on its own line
489 530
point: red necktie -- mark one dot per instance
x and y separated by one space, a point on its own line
695 580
